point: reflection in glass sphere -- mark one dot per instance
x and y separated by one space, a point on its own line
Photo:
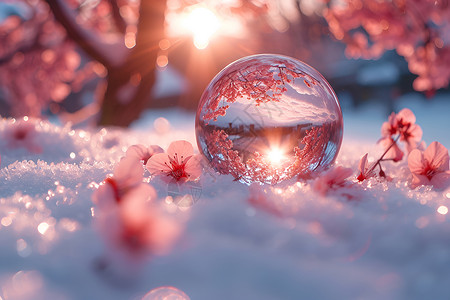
165 293
267 118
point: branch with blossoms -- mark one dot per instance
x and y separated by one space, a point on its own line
415 29
428 166
400 127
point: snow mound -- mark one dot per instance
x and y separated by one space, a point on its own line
373 240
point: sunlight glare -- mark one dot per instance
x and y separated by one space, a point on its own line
202 23
275 156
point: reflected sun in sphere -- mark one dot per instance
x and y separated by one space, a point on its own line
275 156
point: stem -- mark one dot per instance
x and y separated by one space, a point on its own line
89 41
394 141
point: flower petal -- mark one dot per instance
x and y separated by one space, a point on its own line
138 151
128 172
406 116
332 178
341 173
180 149
363 164
394 153
142 152
193 167
416 162
437 155
153 149
389 128
441 181
104 197
415 132
419 180
158 163
136 204
163 233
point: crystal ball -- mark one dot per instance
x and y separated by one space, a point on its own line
268 118
165 293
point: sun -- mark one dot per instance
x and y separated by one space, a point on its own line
202 23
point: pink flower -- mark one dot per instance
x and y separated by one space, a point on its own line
410 132
142 152
22 133
136 228
389 128
128 174
405 118
404 125
127 216
365 170
331 179
179 162
430 167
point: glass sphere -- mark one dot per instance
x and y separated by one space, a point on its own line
165 293
267 118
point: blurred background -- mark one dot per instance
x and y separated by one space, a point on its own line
103 62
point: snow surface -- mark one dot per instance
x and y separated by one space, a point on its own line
389 242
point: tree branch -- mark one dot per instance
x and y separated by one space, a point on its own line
34 44
142 63
110 55
118 20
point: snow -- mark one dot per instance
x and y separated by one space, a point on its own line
386 242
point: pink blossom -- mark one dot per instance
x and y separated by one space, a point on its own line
410 132
128 218
430 167
389 128
179 162
403 125
142 152
128 174
22 133
365 170
331 179
371 27
137 228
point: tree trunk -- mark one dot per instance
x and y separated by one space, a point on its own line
129 87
